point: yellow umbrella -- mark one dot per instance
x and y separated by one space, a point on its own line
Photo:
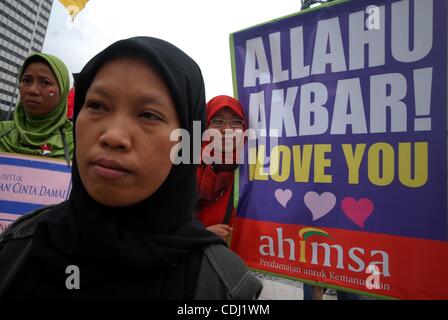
74 6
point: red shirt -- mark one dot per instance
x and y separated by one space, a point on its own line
214 214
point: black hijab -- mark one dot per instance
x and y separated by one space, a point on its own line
150 250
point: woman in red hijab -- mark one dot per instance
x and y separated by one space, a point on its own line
215 181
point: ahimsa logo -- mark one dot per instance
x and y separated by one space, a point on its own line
314 241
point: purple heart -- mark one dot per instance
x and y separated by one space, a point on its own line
319 205
283 196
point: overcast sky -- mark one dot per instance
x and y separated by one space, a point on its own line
201 28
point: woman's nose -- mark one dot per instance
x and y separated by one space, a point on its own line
116 136
226 126
33 89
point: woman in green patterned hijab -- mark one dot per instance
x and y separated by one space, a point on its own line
40 126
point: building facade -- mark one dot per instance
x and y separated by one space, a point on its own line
23 24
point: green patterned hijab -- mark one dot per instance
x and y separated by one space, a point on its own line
28 134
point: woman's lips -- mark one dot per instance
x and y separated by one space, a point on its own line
109 169
32 102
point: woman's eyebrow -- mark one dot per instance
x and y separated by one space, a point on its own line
144 99
39 76
156 103
150 99
99 91
42 77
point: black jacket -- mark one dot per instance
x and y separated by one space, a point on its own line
222 276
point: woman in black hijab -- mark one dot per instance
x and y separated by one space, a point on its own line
127 228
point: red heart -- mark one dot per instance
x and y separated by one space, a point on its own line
357 211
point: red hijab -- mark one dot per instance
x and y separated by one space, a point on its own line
220 102
214 181
70 103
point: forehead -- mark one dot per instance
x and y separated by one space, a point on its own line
225 112
38 68
127 68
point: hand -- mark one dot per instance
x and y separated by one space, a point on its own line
221 230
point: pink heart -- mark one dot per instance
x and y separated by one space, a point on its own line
283 196
357 211
319 205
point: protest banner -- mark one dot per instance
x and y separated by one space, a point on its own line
28 183
349 183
